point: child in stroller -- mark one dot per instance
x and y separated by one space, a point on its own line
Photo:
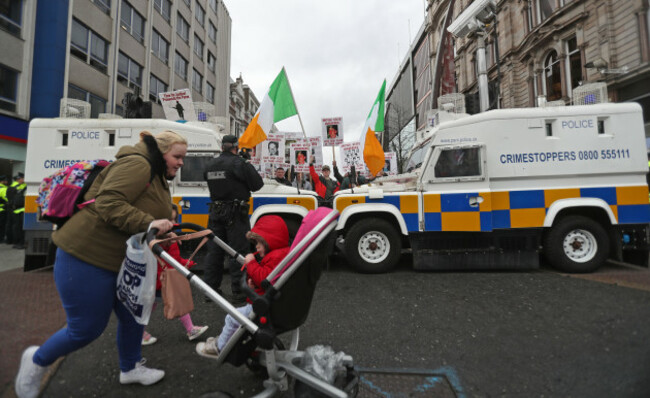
283 307
270 237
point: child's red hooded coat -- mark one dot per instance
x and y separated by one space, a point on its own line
274 230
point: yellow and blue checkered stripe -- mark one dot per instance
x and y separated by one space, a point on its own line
526 209
407 204
505 209
199 206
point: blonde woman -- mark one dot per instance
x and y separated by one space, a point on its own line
131 195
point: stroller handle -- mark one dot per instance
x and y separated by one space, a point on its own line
151 235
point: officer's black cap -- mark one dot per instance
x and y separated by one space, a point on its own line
20 175
3 177
229 139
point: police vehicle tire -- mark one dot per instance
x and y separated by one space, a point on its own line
576 244
373 246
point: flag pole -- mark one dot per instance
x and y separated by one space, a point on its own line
294 102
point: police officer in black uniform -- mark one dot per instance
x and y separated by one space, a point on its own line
230 181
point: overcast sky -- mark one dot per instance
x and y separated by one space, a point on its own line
336 53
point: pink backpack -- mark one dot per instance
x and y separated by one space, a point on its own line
61 194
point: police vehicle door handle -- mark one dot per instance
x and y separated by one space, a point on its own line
475 200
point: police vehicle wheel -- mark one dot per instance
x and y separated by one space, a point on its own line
576 244
373 246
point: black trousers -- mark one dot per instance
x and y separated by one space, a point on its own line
235 236
19 234
9 226
3 224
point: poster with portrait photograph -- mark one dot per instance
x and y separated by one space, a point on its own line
316 150
332 131
291 138
390 164
273 149
351 154
300 157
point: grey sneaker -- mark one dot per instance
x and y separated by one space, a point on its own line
30 375
142 374
196 332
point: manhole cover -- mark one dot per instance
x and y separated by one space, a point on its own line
396 384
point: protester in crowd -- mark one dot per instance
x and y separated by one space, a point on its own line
346 181
324 186
270 236
280 176
91 247
174 251
301 181
230 182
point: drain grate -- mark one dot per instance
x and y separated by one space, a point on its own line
396 384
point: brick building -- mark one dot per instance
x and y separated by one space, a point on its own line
550 47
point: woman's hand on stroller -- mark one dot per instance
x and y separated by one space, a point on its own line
162 225
250 283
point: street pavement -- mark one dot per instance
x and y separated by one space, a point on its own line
436 334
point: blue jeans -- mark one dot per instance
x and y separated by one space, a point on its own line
88 296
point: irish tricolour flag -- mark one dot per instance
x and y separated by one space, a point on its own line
276 105
373 153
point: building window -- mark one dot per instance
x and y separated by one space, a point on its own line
198 47
104 5
159 46
182 28
197 81
129 72
213 5
209 93
156 86
212 32
97 104
132 22
553 78
574 64
163 7
8 88
88 46
180 66
211 61
546 8
199 13
11 15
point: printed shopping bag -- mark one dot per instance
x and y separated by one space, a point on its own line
176 294
136 282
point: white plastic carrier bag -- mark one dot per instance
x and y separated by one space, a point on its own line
136 282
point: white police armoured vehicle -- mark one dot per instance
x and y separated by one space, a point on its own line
497 189
55 143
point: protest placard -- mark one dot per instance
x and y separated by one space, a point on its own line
300 157
332 131
273 149
351 153
178 105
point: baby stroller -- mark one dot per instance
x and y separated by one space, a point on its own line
283 308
